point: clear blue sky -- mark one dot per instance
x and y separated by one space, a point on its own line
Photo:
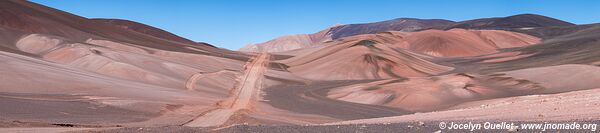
232 24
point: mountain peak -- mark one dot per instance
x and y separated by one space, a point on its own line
515 21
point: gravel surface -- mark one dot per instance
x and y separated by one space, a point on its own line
426 127
311 99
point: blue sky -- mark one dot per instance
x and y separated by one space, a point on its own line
232 24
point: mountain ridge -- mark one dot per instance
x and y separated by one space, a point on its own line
146 29
512 23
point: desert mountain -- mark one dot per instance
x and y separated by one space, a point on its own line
562 63
146 29
398 54
33 18
460 42
574 48
445 43
400 24
567 54
437 92
531 24
129 75
291 42
552 31
361 58
516 21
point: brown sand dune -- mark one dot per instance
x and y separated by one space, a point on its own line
117 76
439 92
117 59
547 68
25 77
68 39
135 81
416 94
361 59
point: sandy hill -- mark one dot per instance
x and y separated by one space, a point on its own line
361 59
106 73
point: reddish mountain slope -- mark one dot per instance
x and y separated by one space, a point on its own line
33 18
146 29
397 54
361 59
108 75
516 21
459 42
291 42
531 24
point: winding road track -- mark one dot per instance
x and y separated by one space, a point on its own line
191 82
244 95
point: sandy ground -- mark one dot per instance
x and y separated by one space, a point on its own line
419 127
246 93
43 130
311 99
26 77
576 105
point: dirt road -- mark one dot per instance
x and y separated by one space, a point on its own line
244 95
191 82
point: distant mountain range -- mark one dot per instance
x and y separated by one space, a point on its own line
516 22
510 22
